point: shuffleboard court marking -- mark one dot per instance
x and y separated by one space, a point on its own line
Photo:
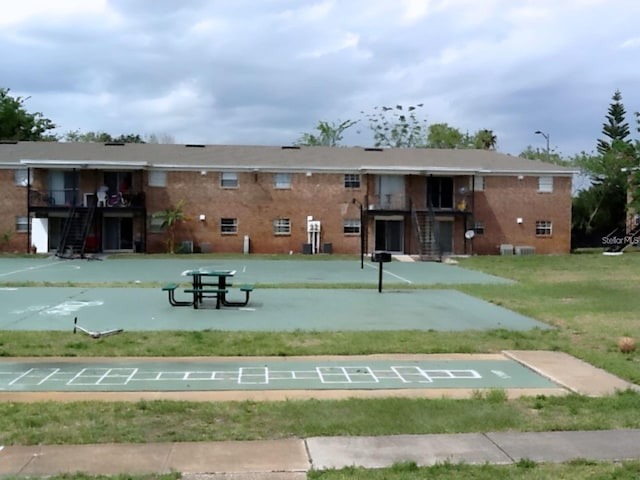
303 375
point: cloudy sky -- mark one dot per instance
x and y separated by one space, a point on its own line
262 72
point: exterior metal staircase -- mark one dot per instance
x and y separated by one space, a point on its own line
426 228
75 232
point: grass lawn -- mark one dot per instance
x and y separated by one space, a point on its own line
591 299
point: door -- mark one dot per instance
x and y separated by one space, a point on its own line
440 192
389 236
63 187
445 236
390 191
117 233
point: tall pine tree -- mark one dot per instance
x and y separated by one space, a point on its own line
616 128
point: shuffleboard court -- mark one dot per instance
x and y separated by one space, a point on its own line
231 375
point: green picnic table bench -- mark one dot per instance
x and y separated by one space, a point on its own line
171 289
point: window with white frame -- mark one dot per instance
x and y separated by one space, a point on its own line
157 178
281 226
282 180
544 228
155 224
22 224
545 184
478 227
228 226
229 180
22 177
478 183
351 226
352 180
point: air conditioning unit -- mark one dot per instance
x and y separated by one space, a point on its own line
187 247
525 250
506 249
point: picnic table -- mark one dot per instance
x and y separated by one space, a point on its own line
209 283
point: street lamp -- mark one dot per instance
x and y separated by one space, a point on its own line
546 137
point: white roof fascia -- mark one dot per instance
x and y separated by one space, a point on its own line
253 168
417 170
535 173
87 164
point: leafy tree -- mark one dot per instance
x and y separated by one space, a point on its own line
397 127
101 137
16 123
441 135
329 134
171 218
541 155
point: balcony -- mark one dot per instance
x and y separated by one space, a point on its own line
65 198
388 202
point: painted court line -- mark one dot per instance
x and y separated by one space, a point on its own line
386 272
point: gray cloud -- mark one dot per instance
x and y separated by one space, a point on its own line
247 72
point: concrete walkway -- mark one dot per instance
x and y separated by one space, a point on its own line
291 458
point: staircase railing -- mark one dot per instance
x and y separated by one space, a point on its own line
75 231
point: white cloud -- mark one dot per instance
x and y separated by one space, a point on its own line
25 10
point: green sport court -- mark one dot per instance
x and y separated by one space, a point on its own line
276 305
276 308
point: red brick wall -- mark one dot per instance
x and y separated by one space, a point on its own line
255 204
14 204
507 198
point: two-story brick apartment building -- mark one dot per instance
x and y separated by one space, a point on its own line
88 197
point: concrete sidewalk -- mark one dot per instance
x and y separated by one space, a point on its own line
290 459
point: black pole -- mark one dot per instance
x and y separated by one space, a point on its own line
380 276
361 240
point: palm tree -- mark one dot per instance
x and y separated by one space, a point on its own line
171 217
486 140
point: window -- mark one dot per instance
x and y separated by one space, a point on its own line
478 227
157 178
351 180
282 180
155 224
543 228
228 225
229 180
22 224
22 177
281 226
545 184
351 226
478 183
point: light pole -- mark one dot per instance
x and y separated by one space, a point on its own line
359 204
546 137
